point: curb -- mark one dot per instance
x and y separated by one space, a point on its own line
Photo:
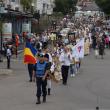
20 51
6 71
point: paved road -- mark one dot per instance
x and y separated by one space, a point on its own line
84 92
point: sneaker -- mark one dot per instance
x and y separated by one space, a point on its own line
73 75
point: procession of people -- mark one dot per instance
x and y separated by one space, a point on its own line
59 51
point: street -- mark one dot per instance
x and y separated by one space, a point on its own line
90 88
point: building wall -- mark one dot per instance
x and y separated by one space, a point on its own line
13 3
43 5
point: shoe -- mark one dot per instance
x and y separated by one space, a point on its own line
65 84
38 101
30 80
44 99
73 75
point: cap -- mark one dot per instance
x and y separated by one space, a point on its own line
40 55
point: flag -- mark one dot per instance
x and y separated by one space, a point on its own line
29 54
78 49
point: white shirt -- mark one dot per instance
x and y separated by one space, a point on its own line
40 45
50 57
8 52
65 59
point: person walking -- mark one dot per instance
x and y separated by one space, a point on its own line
8 54
65 59
48 59
30 70
49 84
101 49
41 71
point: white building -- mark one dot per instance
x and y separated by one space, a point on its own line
45 6
13 4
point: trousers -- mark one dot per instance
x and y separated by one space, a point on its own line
30 70
41 87
8 62
64 70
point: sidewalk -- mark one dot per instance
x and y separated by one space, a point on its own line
4 70
3 65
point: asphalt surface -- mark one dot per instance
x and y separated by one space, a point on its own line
90 88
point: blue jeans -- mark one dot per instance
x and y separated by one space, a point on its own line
72 69
76 67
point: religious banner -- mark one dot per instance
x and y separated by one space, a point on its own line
78 49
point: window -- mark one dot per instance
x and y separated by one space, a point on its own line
13 0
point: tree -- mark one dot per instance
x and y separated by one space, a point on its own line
64 6
104 5
26 4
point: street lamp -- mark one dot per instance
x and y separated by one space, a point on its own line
32 7
1 11
1 39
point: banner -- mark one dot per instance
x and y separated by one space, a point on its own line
7 31
78 49
25 27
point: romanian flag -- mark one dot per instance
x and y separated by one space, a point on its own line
29 54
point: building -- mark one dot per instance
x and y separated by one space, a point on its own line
14 19
88 7
45 6
12 11
13 4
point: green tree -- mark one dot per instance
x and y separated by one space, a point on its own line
64 6
104 5
26 4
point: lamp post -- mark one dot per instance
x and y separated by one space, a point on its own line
0 34
1 39
32 7
1 11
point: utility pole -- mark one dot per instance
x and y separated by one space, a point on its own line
1 39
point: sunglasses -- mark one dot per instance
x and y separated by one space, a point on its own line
40 55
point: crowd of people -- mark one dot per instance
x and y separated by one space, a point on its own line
55 58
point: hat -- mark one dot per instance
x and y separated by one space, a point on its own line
40 55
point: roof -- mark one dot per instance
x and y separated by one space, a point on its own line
91 7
